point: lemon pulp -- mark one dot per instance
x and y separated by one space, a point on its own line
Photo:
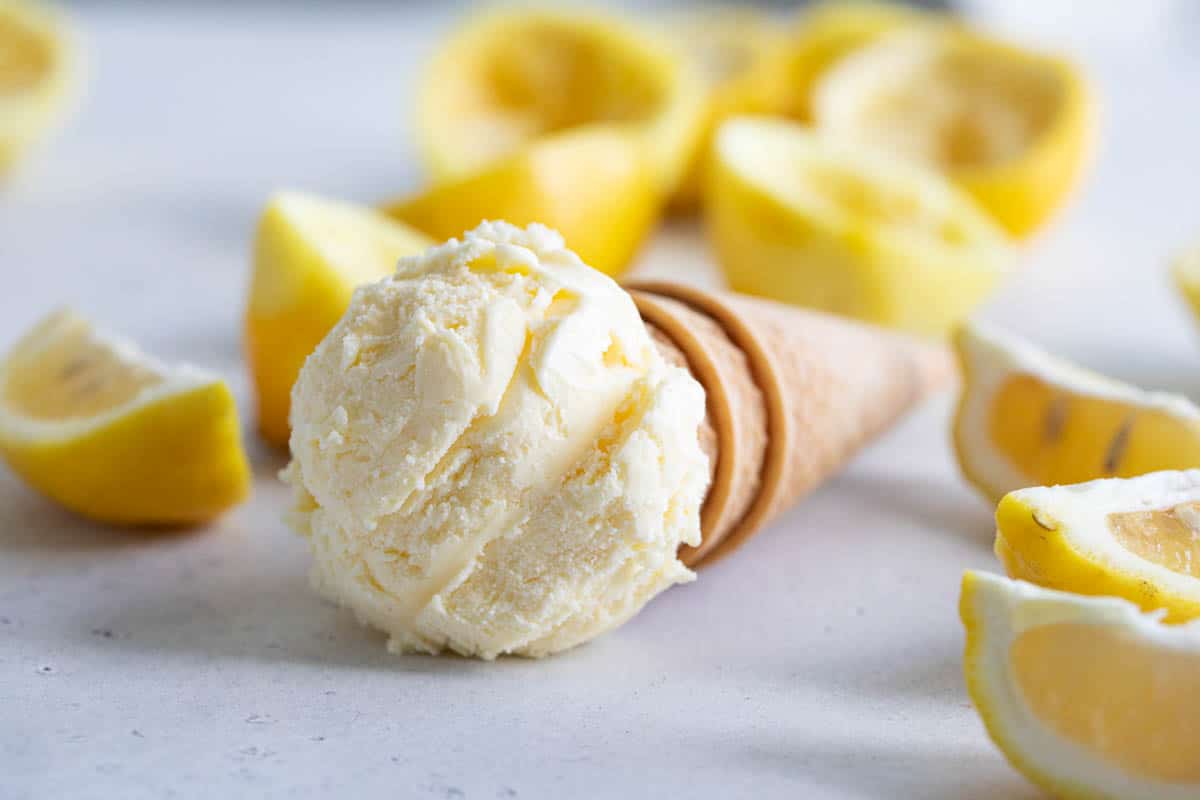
1053 436
1168 537
1114 695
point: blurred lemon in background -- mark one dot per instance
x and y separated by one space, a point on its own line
814 222
1086 696
1137 538
36 66
1011 127
309 255
509 78
595 185
726 45
782 83
1026 418
112 434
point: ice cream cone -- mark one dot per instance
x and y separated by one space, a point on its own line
792 396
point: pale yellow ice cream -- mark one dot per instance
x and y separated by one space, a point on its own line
489 454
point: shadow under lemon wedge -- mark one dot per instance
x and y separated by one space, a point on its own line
1027 418
309 255
1011 127
114 435
36 69
509 78
595 186
1088 697
803 219
1136 538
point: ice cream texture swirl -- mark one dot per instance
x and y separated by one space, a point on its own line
489 454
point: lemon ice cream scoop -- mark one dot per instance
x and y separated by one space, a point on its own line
489 453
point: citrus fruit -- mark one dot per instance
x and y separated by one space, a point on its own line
1009 126
110 433
1026 418
36 65
309 255
593 185
1137 538
1088 697
509 78
802 219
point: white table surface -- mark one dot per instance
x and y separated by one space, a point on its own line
823 661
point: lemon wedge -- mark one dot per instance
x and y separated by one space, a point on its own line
112 434
814 222
35 73
594 186
1187 277
309 255
1011 127
783 81
1137 538
509 78
1086 696
1026 418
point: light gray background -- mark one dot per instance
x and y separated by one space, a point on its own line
823 661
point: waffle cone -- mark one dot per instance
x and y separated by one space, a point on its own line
792 395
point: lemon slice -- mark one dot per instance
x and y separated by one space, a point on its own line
508 79
309 255
814 222
1026 418
782 83
594 186
1137 538
110 433
35 72
1011 127
1187 278
1086 696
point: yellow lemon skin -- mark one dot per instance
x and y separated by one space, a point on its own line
1186 272
858 260
301 286
595 187
37 70
175 461
1033 546
508 79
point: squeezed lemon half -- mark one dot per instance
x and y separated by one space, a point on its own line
309 254
802 219
508 79
595 186
1026 418
36 66
1087 697
112 434
1137 538
1010 126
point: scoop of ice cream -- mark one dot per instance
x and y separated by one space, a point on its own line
490 455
